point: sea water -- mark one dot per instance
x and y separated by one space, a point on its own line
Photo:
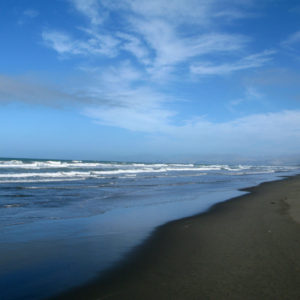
63 223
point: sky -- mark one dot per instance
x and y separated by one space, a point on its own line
149 80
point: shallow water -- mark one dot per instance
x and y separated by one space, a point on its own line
64 222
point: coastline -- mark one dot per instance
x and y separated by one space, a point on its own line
247 247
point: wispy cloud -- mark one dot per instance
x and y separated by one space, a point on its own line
31 13
138 107
117 102
160 45
275 77
61 42
188 11
170 48
161 49
291 45
135 46
266 133
95 44
153 31
251 61
90 9
292 40
27 16
252 94
132 118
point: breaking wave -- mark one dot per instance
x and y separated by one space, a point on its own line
52 170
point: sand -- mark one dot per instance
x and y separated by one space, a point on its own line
244 248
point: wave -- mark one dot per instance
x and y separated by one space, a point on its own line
19 164
38 180
129 172
12 205
49 164
42 171
36 164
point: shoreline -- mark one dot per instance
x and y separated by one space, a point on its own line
237 249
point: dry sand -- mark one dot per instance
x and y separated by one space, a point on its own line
245 248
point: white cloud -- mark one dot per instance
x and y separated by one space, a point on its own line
267 126
89 8
177 10
251 61
260 133
170 48
292 40
133 119
31 13
138 107
251 94
231 14
275 77
154 32
122 75
61 42
270 133
95 44
135 46
27 16
183 11
100 43
142 109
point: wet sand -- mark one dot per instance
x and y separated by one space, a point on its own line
244 248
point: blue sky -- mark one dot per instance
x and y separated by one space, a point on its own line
142 80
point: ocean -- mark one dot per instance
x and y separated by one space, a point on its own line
63 223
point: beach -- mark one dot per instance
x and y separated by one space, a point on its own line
150 150
244 248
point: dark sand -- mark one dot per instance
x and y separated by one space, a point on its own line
245 248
